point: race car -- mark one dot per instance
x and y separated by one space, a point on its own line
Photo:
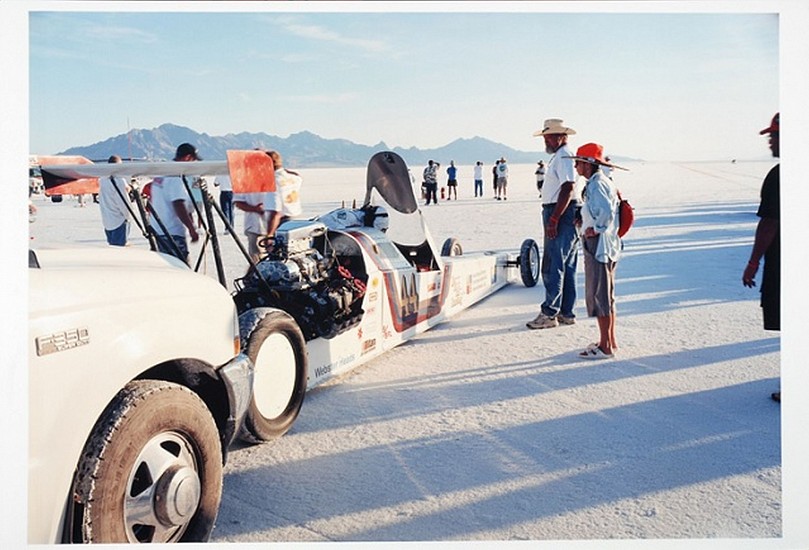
334 291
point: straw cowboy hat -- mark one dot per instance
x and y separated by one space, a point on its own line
554 126
594 154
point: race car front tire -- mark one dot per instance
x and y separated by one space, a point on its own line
277 348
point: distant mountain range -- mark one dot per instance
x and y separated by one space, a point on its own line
302 150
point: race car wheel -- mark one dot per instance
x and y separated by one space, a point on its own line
151 470
529 263
451 247
277 348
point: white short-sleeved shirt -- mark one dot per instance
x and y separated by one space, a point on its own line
253 221
478 172
560 170
164 192
113 210
288 185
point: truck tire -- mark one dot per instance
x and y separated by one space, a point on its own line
277 348
151 470
529 263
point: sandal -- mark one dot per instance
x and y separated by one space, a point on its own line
593 351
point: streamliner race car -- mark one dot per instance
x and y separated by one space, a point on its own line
331 293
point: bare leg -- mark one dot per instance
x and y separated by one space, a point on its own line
604 324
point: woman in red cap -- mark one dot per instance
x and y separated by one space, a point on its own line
601 246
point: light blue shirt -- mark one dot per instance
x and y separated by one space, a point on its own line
600 212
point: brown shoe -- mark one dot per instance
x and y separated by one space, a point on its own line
776 396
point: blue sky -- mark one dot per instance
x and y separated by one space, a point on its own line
657 85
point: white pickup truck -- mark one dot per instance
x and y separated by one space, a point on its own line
136 388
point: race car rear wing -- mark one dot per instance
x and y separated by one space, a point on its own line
249 171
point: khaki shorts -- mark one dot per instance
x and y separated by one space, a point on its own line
599 281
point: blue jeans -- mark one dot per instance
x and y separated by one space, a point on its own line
164 246
226 203
117 236
559 259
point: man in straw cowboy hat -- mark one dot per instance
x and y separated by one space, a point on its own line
601 246
560 253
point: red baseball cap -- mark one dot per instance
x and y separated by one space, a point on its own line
773 127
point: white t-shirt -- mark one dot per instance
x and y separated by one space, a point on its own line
113 210
288 186
560 170
478 172
164 192
253 221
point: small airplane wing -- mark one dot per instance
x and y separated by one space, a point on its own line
250 171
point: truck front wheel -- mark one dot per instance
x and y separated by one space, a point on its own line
151 470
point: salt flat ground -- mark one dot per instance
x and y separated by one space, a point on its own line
481 430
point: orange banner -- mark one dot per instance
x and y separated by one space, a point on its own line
251 171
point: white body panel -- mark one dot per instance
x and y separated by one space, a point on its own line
99 318
402 302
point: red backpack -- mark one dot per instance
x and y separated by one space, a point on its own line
626 215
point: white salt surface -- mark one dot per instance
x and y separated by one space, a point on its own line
481 430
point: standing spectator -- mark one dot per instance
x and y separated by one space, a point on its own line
767 243
502 179
431 182
540 174
494 177
225 197
561 238
255 220
601 246
115 213
478 177
169 200
452 181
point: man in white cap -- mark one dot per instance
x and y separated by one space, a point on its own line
171 203
561 238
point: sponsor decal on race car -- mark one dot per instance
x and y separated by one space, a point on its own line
368 345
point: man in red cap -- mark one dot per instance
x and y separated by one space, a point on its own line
767 243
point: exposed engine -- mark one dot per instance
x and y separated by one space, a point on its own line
302 276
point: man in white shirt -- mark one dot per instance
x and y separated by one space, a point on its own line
115 214
561 238
478 177
171 203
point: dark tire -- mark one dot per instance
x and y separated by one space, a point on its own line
151 470
529 262
451 247
278 350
